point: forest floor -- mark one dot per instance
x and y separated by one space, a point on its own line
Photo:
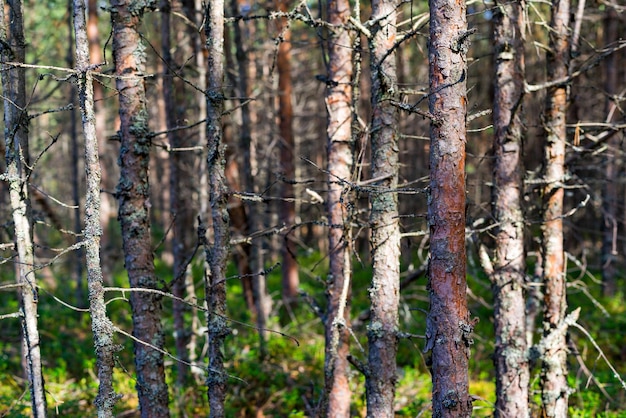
287 382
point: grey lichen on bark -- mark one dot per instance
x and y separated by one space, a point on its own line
102 328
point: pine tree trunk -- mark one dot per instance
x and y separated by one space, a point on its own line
336 398
287 208
133 192
448 328
611 164
217 255
382 331
511 360
554 388
17 159
101 326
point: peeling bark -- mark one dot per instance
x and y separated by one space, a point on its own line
449 328
340 151
384 292
554 389
101 326
218 253
511 354
133 192
17 159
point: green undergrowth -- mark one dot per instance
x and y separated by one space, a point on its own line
287 380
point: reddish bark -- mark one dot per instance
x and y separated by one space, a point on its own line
511 361
133 192
554 388
336 401
449 328
385 233
287 210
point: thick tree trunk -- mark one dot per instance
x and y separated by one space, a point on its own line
511 357
609 191
336 398
101 326
17 157
449 328
554 388
287 208
382 331
133 192
217 255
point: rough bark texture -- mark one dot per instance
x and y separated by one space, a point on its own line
554 388
610 185
336 400
449 328
511 356
133 192
16 147
382 331
287 210
101 326
217 255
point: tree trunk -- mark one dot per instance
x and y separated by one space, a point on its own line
105 147
133 192
554 388
287 208
336 398
382 331
217 254
611 164
448 329
180 194
17 159
262 302
511 360
101 326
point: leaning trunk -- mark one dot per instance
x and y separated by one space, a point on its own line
101 326
133 192
511 361
448 329
382 331
554 388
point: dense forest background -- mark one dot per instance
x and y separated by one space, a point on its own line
274 143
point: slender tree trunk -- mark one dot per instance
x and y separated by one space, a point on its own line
16 148
262 303
101 326
382 331
78 254
133 192
180 198
105 148
217 255
287 208
448 328
511 356
554 388
609 191
336 400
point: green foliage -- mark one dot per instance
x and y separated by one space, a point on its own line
289 380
